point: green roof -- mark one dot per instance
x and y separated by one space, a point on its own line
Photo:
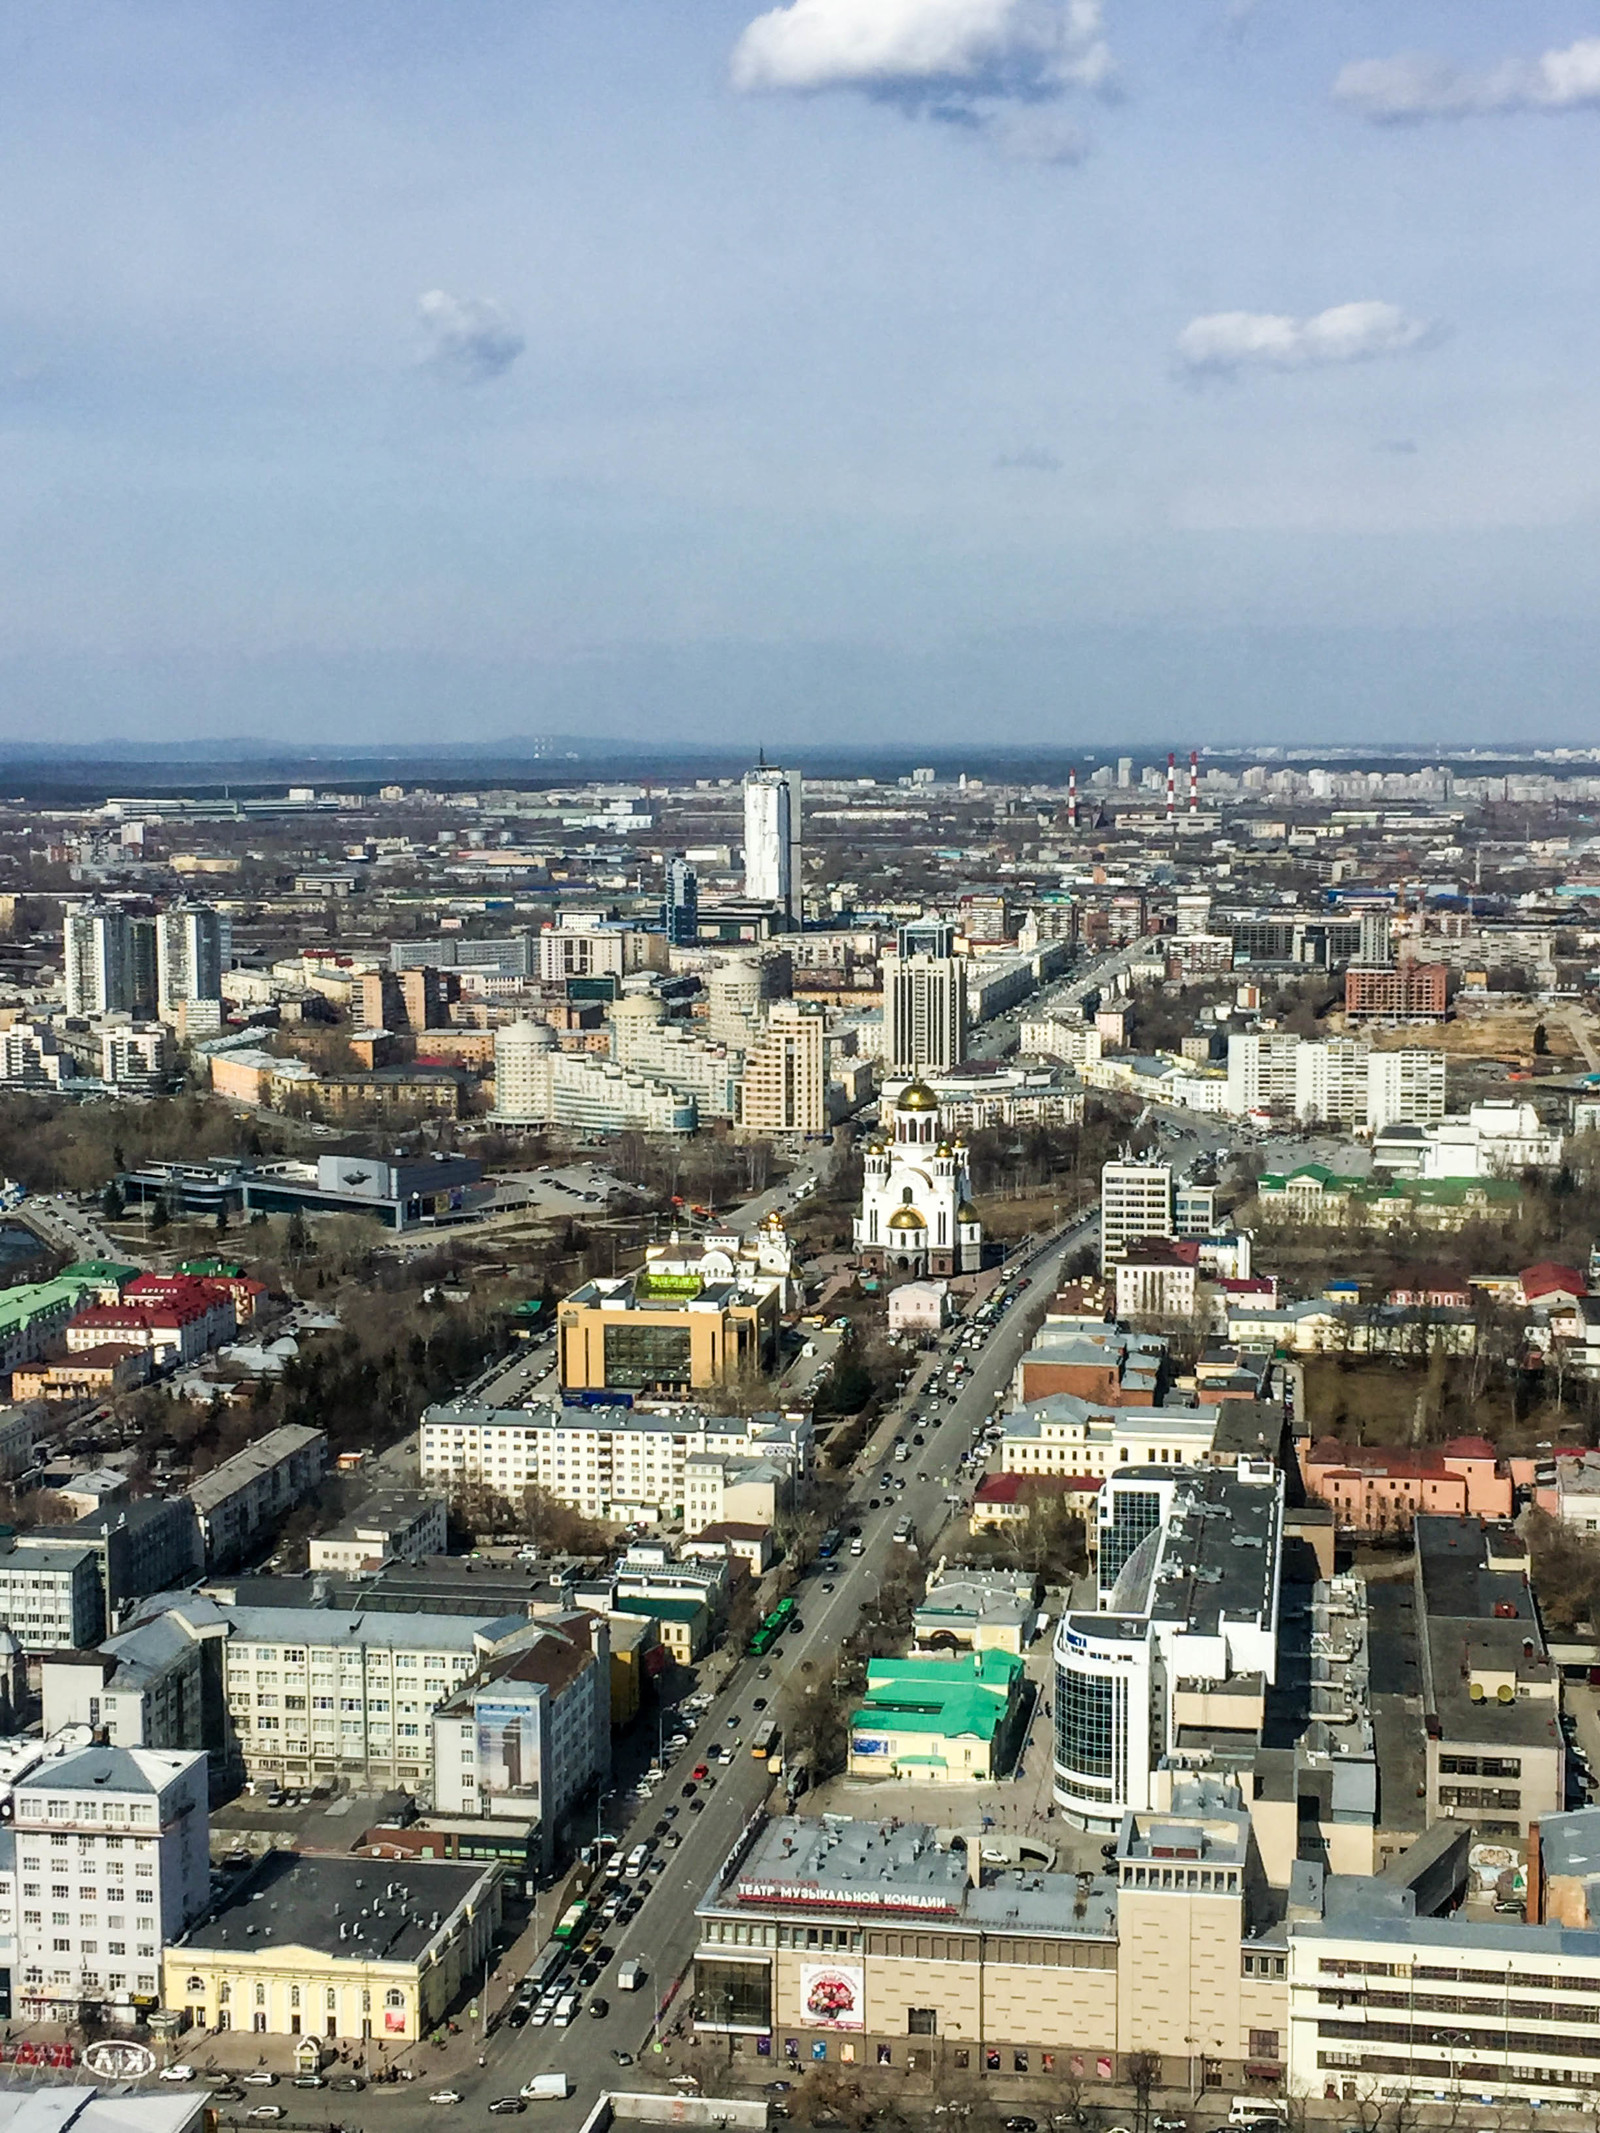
1442 1192
217 1269
21 1304
969 1696
87 1271
640 1603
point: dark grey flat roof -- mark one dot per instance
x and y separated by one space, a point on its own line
390 1909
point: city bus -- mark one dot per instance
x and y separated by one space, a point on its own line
569 1926
548 1965
828 1546
764 1739
771 1629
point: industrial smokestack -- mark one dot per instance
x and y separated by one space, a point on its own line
1172 787
1072 797
1194 781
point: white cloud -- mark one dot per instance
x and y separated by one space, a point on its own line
980 62
466 339
1228 341
1417 85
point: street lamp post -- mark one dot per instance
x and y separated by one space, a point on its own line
1454 2041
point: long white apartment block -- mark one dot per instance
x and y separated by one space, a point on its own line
607 1462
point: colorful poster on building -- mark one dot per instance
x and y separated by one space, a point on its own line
834 1995
508 1747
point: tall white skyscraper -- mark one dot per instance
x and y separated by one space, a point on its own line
772 837
924 1012
98 953
188 957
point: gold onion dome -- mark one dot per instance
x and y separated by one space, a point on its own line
917 1096
906 1218
966 1212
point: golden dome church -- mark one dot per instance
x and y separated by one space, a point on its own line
917 1215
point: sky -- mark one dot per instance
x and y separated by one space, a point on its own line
839 371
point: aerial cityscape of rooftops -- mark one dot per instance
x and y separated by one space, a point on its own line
813 1444
799 1067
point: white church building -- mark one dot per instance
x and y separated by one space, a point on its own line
917 1216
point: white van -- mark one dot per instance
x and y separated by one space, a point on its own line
1258 2110
858 1546
636 1861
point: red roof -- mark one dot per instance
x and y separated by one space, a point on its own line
1550 1278
119 1318
1395 1460
1016 1488
1469 1448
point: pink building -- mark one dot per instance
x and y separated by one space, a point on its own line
1381 1488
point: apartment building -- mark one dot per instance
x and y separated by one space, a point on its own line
607 1462
1405 1087
784 1086
1139 1200
537 1084
112 1863
255 1488
644 1042
1400 992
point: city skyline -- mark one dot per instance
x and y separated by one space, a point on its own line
1023 366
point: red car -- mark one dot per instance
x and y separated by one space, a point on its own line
699 1771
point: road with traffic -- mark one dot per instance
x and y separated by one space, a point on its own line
708 1823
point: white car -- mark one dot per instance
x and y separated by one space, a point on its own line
445 2096
177 2073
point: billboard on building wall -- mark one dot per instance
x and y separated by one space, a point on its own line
834 1995
508 1747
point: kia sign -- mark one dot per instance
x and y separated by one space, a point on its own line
117 2060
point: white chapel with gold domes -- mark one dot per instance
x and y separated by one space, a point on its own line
917 1215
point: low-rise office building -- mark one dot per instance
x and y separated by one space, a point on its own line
401 1526
351 1949
1062 1434
50 1594
945 1719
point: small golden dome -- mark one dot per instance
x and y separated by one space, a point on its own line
906 1218
966 1212
942 1149
917 1096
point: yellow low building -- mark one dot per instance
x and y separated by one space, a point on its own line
339 1948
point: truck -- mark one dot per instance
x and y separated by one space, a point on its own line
630 1975
545 2088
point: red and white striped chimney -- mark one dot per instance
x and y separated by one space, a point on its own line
1172 787
1072 797
1194 781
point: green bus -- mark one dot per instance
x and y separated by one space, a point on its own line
771 1629
569 1926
